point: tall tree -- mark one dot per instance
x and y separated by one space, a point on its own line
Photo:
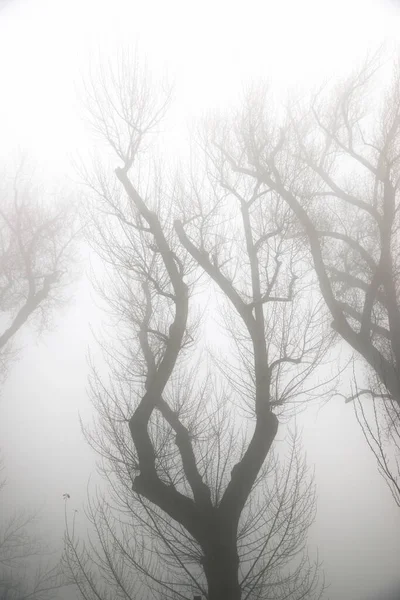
184 441
36 252
336 164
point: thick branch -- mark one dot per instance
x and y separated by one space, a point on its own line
340 193
374 327
244 473
264 238
369 301
201 491
223 282
355 282
155 385
27 309
261 369
178 327
176 505
353 244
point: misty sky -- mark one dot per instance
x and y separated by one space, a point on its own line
210 50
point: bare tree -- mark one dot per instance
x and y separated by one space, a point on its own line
335 163
36 251
186 442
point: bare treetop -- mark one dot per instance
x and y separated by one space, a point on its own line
336 166
36 250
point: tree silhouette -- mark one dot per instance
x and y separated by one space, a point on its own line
186 443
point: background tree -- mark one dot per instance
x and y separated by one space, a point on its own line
335 163
37 236
36 252
185 442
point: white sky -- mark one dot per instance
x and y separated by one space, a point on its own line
211 49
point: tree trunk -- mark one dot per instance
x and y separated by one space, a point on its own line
221 566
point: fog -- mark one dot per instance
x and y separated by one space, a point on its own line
211 51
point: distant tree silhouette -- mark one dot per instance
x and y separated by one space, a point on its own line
36 250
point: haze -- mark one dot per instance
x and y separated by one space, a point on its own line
211 51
